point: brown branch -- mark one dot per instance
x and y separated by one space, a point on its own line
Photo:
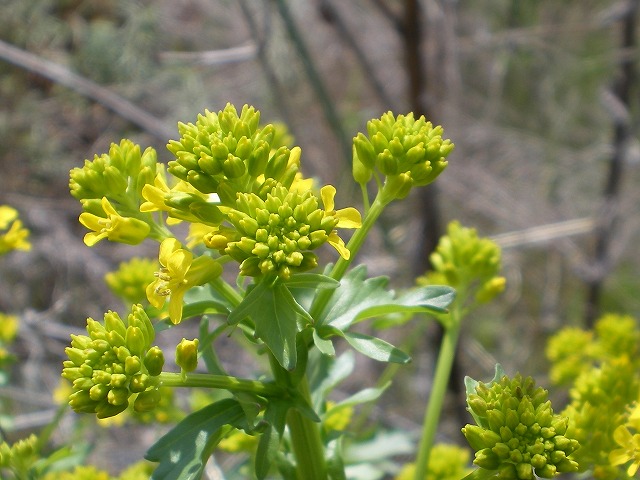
613 186
332 16
63 76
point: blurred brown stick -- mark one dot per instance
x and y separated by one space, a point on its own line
105 97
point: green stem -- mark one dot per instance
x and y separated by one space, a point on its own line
207 380
307 443
438 390
227 291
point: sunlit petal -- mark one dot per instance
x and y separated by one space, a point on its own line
328 193
348 218
336 242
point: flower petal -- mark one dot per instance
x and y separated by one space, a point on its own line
175 305
91 238
328 193
108 208
179 263
91 221
622 436
348 218
336 242
167 247
619 456
155 300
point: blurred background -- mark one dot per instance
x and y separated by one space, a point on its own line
539 96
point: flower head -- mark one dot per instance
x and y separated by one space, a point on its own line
179 272
466 261
13 236
227 153
123 171
276 234
112 363
407 151
113 226
517 434
130 281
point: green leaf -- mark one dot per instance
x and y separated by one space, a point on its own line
470 386
206 347
325 346
328 372
335 463
357 293
269 444
183 452
482 474
363 396
432 298
275 314
372 347
311 280
361 298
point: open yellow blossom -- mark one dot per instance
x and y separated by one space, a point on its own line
179 272
16 238
114 227
630 450
347 218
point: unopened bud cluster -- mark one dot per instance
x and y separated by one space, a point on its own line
130 280
19 456
274 235
110 190
112 363
408 152
122 172
518 435
226 153
463 260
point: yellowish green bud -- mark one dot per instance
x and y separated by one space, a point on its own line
147 400
187 355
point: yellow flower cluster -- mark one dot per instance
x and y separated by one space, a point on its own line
13 235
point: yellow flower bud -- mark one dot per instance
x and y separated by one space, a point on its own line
187 355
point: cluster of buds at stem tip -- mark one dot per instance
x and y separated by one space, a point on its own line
226 153
408 152
517 434
112 363
467 262
122 172
276 235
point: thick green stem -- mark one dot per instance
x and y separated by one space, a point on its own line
306 441
207 380
438 390
307 444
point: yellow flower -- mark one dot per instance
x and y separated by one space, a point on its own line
8 327
7 215
179 271
347 218
16 238
630 450
113 227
